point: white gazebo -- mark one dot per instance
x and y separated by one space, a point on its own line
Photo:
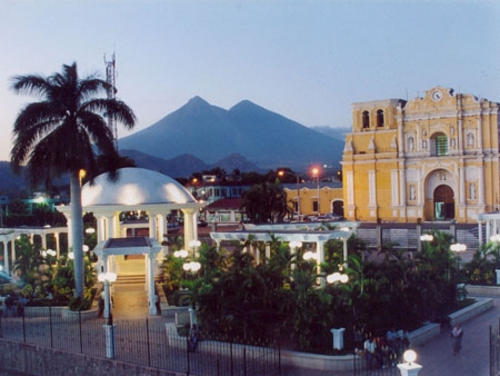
136 189
8 237
317 233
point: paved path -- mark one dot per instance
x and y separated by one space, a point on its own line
130 301
438 360
437 357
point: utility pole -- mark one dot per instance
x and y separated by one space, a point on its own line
111 80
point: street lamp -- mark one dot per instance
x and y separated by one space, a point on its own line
426 238
191 266
281 174
409 368
337 277
458 247
108 278
182 253
90 230
495 238
308 256
194 245
315 171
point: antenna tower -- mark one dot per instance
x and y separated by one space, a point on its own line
111 80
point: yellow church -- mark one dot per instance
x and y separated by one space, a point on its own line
434 158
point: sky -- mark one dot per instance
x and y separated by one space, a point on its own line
307 60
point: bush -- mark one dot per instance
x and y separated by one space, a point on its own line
79 304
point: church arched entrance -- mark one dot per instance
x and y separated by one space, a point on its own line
444 203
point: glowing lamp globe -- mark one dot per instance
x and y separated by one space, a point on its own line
410 356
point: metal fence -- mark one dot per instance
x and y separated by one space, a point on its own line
495 350
141 342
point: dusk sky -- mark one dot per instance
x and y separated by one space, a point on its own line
307 60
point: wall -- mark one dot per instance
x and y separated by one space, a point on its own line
34 360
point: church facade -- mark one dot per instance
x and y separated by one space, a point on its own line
434 157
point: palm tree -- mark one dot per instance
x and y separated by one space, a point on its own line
62 134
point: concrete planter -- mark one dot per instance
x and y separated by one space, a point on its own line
68 314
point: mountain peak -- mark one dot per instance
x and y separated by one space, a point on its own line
245 104
197 100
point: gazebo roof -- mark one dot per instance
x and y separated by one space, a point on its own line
135 186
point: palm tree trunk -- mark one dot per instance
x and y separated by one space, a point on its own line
77 230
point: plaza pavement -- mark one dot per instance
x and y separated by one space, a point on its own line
436 356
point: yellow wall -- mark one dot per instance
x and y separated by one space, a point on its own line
308 196
390 171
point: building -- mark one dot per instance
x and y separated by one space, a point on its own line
213 191
311 199
435 158
226 211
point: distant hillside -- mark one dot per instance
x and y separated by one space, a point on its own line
186 164
211 133
10 183
336 133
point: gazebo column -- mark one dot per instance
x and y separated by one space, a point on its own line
217 244
160 219
195 225
13 251
268 252
188 227
44 240
344 241
57 245
152 226
109 222
70 233
6 257
101 228
320 254
150 260
488 232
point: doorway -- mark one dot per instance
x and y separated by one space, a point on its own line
444 203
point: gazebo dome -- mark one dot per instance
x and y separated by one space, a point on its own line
135 186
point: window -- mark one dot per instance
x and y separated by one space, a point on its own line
315 205
439 145
380 118
366 119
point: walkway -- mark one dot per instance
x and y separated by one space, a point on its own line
130 301
436 356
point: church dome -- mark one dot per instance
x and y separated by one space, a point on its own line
135 186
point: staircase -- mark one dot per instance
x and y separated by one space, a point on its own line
130 279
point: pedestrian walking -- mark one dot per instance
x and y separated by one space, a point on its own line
457 334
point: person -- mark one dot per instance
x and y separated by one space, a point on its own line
370 347
457 334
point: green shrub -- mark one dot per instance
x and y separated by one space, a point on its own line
79 304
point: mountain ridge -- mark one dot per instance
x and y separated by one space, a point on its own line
265 138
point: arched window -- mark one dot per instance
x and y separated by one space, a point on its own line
366 119
380 118
439 145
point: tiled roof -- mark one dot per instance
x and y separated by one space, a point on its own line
225 203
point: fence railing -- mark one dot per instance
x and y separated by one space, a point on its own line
141 342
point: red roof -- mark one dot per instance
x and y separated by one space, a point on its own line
225 204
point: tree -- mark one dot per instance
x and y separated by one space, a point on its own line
63 133
265 203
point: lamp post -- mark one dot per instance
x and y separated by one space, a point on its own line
315 174
409 368
108 278
194 245
281 174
